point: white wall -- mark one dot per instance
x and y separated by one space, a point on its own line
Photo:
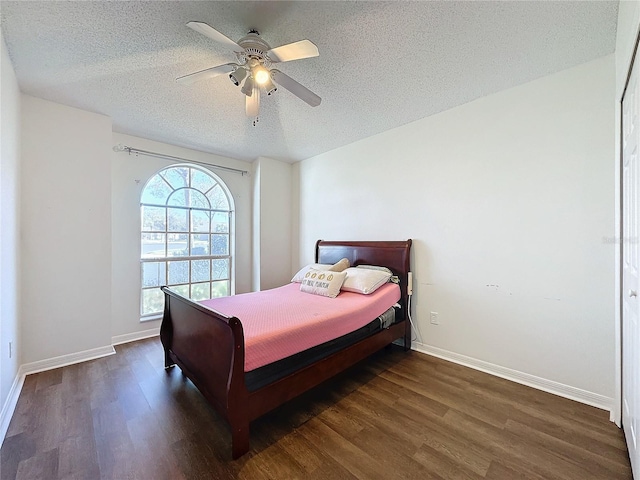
272 223
129 174
9 223
508 200
295 219
256 225
66 230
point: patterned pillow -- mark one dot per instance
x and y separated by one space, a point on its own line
336 267
322 282
298 277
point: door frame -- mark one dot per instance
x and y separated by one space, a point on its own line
616 410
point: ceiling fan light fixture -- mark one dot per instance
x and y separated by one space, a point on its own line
247 88
238 75
261 75
269 87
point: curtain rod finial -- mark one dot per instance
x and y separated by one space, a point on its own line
119 148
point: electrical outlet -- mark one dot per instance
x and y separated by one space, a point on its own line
434 318
10 349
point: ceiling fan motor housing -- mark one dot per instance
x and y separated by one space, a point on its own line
254 47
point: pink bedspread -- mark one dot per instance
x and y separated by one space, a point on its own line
283 321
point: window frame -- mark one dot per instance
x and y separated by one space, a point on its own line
189 236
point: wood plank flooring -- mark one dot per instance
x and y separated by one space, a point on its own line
396 415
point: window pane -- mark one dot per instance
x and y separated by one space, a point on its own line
201 180
153 219
153 245
178 272
179 198
220 268
200 271
199 244
220 222
152 301
199 221
200 291
219 244
178 245
198 200
178 220
153 274
218 198
188 197
181 289
156 191
176 176
219 289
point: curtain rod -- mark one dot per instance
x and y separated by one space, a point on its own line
130 150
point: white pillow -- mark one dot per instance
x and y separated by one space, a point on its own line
394 278
322 282
376 267
339 266
364 280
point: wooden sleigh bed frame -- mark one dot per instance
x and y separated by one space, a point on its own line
209 347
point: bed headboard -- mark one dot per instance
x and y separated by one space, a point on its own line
395 255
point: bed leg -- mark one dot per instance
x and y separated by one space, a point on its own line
239 440
407 339
168 363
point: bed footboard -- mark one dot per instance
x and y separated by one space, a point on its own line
209 349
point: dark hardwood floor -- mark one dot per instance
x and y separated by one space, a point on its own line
396 415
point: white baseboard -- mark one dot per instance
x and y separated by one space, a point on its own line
10 404
64 360
560 389
132 337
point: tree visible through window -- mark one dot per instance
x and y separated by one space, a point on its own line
186 239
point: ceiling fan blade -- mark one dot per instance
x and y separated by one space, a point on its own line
294 87
252 103
293 51
208 73
213 34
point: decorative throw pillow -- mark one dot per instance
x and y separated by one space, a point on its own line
322 282
336 267
364 280
341 265
297 278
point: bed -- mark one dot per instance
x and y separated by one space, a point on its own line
209 347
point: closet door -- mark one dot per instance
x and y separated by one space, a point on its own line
630 267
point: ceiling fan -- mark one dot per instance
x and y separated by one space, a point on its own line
254 66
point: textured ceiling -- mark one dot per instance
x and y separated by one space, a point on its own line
381 64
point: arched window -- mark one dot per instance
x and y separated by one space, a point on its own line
186 236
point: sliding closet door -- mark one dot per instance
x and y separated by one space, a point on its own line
630 267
